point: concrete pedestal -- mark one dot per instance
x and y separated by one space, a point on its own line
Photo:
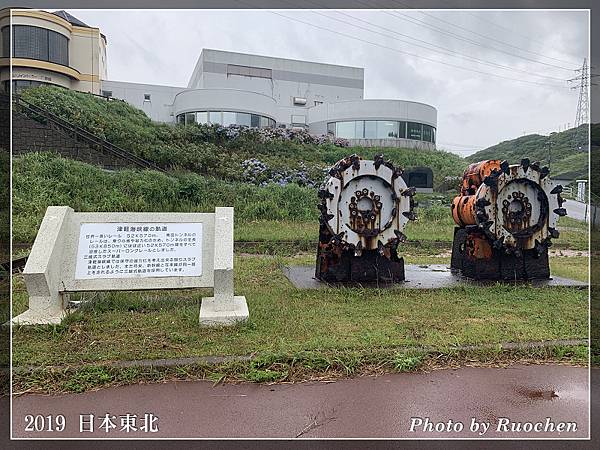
39 317
214 313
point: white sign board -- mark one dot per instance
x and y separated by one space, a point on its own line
128 251
134 250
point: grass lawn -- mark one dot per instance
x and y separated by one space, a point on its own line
298 334
128 326
425 234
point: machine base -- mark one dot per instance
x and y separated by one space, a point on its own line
368 268
497 265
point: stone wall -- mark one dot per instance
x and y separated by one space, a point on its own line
32 136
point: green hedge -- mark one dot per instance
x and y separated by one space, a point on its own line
210 150
44 179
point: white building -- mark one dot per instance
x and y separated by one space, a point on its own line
239 88
224 88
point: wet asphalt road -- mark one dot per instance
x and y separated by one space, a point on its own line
364 407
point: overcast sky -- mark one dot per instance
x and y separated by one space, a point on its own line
475 110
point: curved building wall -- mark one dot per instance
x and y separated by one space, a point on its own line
224 100
50 49
395 123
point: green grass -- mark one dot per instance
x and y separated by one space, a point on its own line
124 326
212 150
563 159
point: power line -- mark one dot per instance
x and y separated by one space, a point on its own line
488 38
447 52
471 41
415 55
529 38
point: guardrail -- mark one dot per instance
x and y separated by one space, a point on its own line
43 116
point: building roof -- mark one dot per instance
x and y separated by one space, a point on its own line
71 19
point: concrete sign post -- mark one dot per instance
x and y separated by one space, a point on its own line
75 252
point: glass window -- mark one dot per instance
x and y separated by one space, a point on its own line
331 128
6 42
402 129
359 129
370 129
202 117
190 118
30 42
433 135
37 43
346 130
427 133
248 71
414 130
387 129
254 120
181 119
214 117
243 119
264 122
58 48
228 118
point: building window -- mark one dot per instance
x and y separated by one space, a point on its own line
226 118
39 43
6 42
248 71
107 93
415 130
146 97
381 129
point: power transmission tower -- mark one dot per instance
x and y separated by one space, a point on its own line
580 141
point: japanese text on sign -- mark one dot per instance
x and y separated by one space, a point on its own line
139 250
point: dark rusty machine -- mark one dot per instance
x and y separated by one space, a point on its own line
364 207
506 216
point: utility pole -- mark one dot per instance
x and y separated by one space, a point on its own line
580 141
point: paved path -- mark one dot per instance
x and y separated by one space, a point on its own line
577 210
361 407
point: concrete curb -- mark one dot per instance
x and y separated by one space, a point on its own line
215 360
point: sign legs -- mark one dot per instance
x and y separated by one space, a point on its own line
224 308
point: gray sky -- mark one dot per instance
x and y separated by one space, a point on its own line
475 110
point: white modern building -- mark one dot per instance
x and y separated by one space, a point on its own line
224 88
261 91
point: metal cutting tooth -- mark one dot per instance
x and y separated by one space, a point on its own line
400 235
557 189
554 233
525 164
411 191
410 215
505 166
535 166
560 211
544 172
378 161
325 194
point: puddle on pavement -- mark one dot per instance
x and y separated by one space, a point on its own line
536 393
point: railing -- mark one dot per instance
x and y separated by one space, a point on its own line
35 112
